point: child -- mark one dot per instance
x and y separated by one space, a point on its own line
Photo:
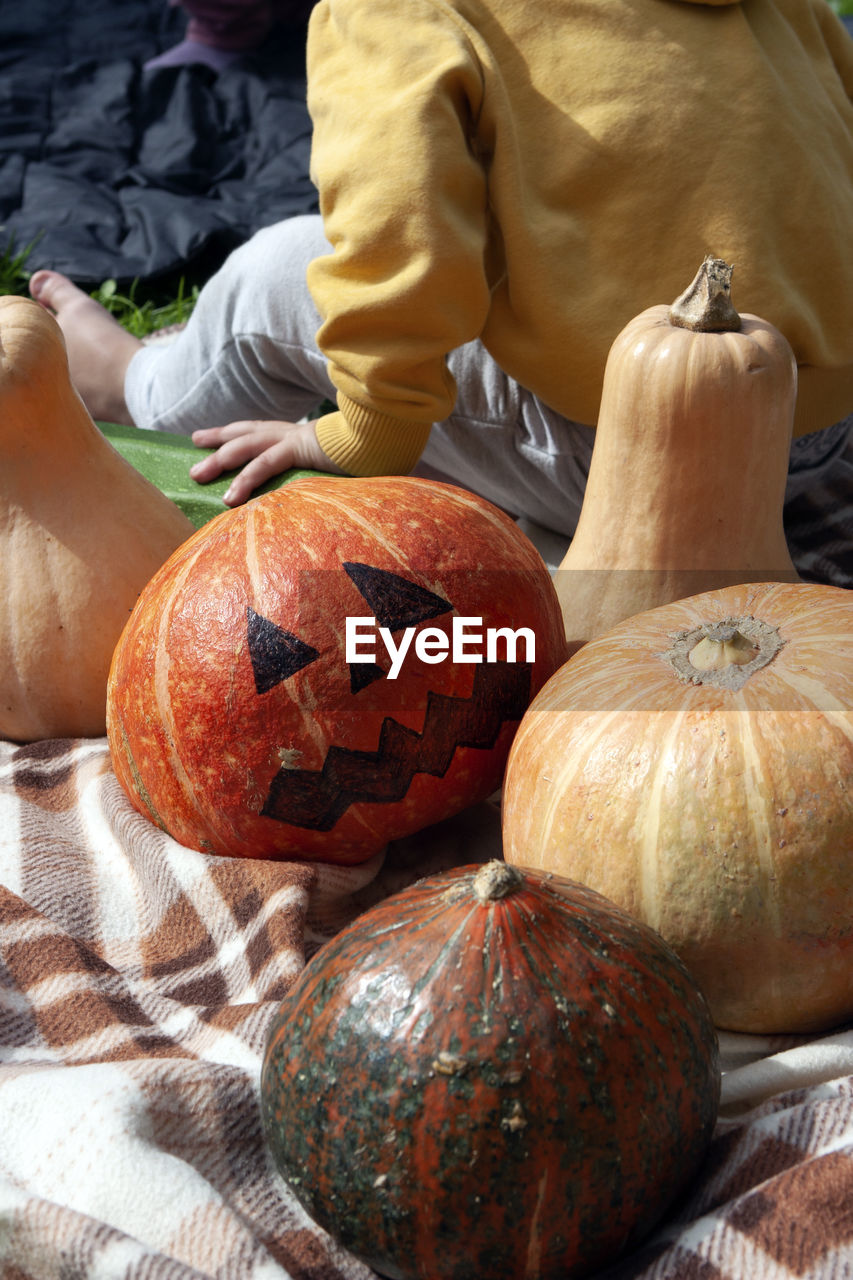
502 186
219 32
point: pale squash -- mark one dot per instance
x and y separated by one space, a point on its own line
81 532
687 478
695 765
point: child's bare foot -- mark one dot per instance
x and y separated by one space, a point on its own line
99 349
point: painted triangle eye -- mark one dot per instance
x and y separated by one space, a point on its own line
394 601
276 654
362 674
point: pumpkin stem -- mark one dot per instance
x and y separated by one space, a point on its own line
706 304
495 880
720 647
724 653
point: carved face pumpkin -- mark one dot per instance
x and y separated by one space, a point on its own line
332 666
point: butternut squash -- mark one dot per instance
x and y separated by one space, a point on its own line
81 532
687 478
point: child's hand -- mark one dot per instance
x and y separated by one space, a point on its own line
266 448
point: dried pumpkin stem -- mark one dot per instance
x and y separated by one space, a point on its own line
495 880
724 653
721 647
706 304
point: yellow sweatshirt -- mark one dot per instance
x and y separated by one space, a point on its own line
536 172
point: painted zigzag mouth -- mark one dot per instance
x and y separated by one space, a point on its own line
317 799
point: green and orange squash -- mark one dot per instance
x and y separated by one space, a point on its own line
494 1073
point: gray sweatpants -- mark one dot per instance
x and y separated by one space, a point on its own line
249 351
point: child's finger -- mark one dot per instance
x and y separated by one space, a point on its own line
255 473
232 453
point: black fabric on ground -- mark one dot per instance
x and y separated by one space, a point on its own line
125 173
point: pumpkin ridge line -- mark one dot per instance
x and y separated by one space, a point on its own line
162 665
761 840
819 696
549 802
141 788
355 517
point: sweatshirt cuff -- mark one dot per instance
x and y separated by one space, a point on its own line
363 442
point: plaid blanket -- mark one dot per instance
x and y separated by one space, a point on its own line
137 982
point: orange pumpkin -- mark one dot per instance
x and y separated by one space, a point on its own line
246 716
695 765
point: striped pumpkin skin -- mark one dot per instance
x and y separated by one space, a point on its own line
458 1088
231 712
721 817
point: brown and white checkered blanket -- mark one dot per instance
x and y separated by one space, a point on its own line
137 982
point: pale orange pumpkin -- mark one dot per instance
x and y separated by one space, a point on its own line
695 765
687 479
81 532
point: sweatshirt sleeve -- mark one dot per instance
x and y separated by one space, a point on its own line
394 93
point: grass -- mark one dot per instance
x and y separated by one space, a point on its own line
141 316
140 309
13 272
